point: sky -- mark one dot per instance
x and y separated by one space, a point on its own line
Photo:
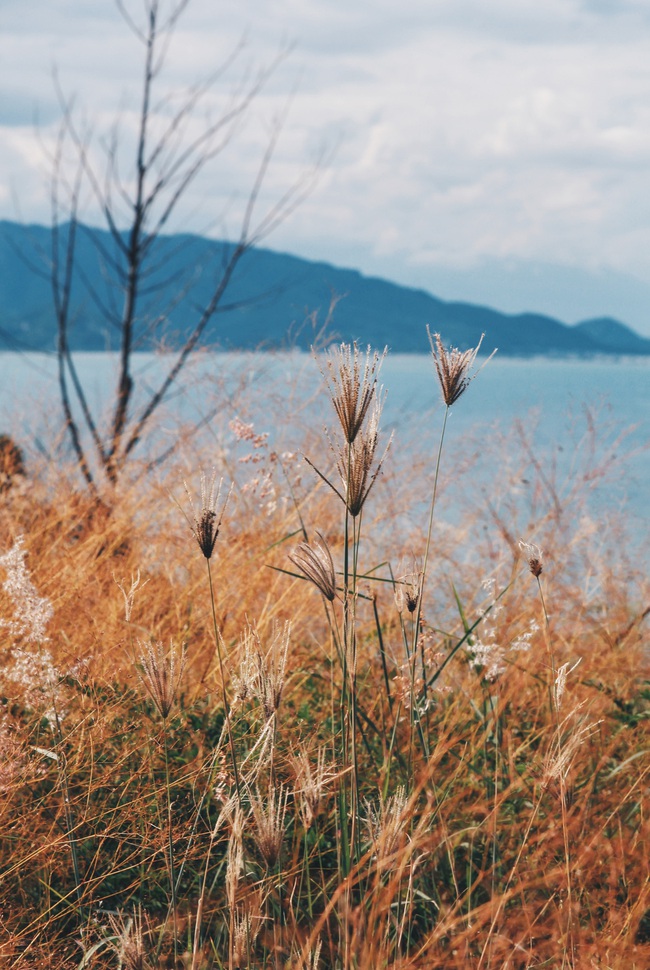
493 151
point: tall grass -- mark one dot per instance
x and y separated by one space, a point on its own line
283 732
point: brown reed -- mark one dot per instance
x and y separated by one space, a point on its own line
315 561
533 556
426 888
206 521
352 385
160 673
453 367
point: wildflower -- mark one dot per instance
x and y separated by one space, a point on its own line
533 556
32 612
316 562
206 523
453 367
351 390
246 432
160 675
488 655
35 672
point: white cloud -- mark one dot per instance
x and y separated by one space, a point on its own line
466 130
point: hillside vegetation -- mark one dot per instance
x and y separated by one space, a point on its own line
275 300
306 722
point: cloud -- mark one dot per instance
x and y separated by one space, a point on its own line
465 131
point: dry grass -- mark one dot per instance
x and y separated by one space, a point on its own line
410 794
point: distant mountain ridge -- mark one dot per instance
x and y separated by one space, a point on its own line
275 301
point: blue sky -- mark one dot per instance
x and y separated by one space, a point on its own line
488 150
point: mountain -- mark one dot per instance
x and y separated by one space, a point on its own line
274 300
613 334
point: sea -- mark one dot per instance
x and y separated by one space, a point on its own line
531 431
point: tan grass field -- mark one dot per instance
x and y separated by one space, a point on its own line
382 752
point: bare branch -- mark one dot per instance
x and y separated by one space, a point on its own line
137 201
189 346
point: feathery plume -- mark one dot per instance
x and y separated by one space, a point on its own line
311 783
453 367
244 681
32 612
386 826
311 961
129 595
559 761
408 587
315 561
355 466
269 823
561 679
205 524
246 927
271 670
160 674
352 385
235 853
533 556
128 941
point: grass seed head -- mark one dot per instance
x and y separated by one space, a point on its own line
408 587
315 562
32 612
561 680
160 672
246 927
533 556
386 827
206 522
128 941
356 464
559 760
129 594
12 462
245 678
235 852
453 367
352 385
269 817
271 670
311 785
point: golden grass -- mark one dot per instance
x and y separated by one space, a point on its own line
489 823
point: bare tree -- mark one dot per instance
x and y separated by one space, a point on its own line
137 206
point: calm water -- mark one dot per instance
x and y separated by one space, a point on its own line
573 412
